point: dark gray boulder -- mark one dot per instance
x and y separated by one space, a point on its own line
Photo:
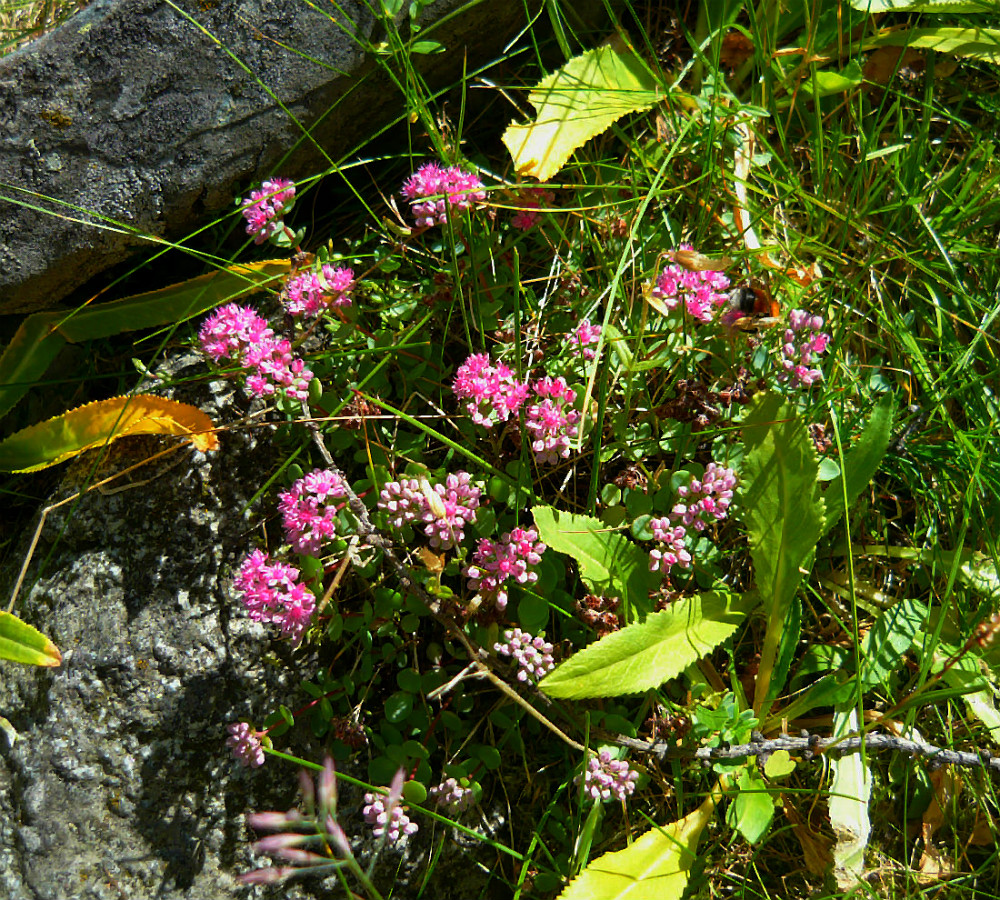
139 120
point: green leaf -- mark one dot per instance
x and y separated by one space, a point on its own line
850 794
890 638
779 764
752 809
41 336
861 462
398 706
874 7
783 514
644 655
827 83
583 99
609 562
976 43
20 642
654 867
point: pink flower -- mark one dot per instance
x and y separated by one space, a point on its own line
606 777
435 193
531 200
271 592
309 510
701 292
263 209
494 563
797 357
533 654
309 293
551 421
387 813
238 333
245 744
582 335
493 391
452 795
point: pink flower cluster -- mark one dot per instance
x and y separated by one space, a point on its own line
263 209
707 499
581 336
533 654
606 777
493 391
551 421
309 293
494 562
673 551
435 193
388 817
271 592
702 292
443 508
802 341
309 510
245 744
452 796
531 200
238 333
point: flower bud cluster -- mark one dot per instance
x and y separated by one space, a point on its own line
443 508
706 499
606 777
452 795
803 340
388 818
263 209
552 421
533 654
238 333
245 744
436 192
309 510
495 562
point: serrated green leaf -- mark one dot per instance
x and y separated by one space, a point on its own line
644 655
654 867
874 7
609 562
974 43
889 639
22 643
861 462
783 514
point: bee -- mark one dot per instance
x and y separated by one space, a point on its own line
751 307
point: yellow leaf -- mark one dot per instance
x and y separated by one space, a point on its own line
655 867
95 424
583 99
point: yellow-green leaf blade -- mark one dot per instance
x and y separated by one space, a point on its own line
654 867
583 99
94 424
644 655
20 642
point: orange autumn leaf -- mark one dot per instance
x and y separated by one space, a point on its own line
100 422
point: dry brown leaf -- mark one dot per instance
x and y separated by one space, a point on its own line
887 61
815 846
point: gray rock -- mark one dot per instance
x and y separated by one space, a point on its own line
121 784
140 119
